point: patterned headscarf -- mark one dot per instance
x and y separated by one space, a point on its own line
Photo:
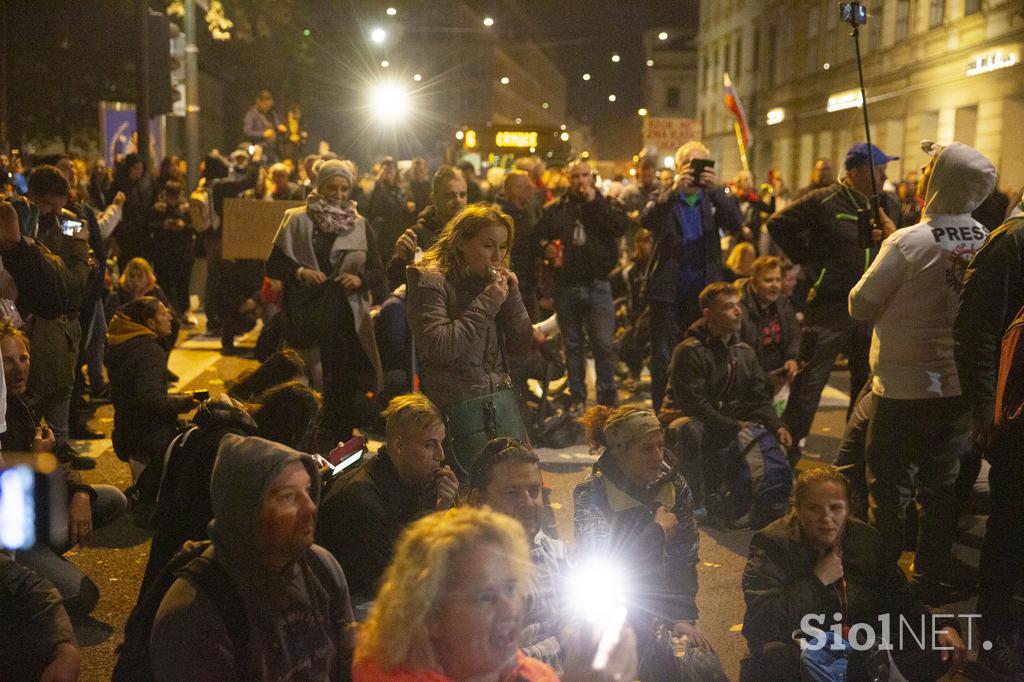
622 432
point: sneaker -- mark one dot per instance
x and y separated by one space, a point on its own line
1004 662
76 460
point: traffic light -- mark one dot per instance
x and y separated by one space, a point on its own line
159 36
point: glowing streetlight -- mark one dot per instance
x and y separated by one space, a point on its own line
616 58
586 76
488 22
565 137
545 105
416 77
641 111
459 134
650 62
562 127
385 63
611 98
389 101
392 11
378 35
663 36
504 80
518 120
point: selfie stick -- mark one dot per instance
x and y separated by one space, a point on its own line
876 209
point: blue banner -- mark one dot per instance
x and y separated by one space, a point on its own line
117 127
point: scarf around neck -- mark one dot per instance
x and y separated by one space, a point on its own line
329 217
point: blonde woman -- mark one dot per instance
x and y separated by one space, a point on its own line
451 604
467 317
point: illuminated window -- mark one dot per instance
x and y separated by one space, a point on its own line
902 19
971 7
936 13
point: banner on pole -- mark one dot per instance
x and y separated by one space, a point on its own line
119 134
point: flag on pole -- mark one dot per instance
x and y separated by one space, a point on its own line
732 103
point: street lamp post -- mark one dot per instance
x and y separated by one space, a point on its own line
191 95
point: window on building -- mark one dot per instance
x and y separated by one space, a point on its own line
876 13
811 54
971 7
936 13
902 20
672 97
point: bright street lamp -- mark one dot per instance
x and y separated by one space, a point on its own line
641 111
616 58
392 11
586 76
488 21
389 101
611 98
663 36
378 35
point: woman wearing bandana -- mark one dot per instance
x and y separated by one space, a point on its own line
327 257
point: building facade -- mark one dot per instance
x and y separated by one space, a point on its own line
934 69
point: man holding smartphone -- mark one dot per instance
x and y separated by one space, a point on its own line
55 332
685 218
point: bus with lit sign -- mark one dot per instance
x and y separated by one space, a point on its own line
500 145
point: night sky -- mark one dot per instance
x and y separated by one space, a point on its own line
582 40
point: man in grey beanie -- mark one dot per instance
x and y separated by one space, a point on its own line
293 593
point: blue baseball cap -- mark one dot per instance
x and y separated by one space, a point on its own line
858 155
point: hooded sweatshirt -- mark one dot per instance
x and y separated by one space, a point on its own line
912 289
296 631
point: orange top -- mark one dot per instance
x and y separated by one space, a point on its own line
526 669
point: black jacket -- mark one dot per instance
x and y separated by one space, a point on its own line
719 383
145 416
993 293
41 278
779 585
427 228
526 250
386 215
819 232
718 212
361 517
757 317
604 223
178 244
34 622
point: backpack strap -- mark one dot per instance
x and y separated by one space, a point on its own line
210 578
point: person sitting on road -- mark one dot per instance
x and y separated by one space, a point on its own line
283 366
451 604
145 415
635 507
818 560
37 641
717 388
506 478
769 324
364 512
293 594
137 280
282 414
88 507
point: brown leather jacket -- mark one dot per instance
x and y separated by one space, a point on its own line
455 330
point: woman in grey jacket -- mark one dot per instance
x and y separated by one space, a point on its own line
463 305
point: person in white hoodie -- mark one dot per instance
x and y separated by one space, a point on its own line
911 293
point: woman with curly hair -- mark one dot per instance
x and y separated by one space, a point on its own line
451 604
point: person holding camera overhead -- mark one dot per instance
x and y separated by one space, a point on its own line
820 232
685 218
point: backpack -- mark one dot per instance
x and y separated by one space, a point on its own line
1010 384
761 478
133 662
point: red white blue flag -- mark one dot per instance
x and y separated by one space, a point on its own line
732 103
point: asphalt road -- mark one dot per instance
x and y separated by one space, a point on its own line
118 556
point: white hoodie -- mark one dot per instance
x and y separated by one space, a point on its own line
912 289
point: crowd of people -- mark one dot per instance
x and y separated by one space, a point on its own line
441 312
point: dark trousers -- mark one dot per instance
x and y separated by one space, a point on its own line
835 332
913 448
1002 553
668 322
214 245
781 661
173 271
852 447
701 456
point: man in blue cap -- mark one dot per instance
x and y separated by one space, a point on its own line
820 232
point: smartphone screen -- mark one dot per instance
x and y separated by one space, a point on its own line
344 450
17 508
70 227
347 462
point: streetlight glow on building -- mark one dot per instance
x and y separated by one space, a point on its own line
392 11
488 21
641 111
847 99
663 36
775 116
611 98
616 58
504 80
586 76
378 35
